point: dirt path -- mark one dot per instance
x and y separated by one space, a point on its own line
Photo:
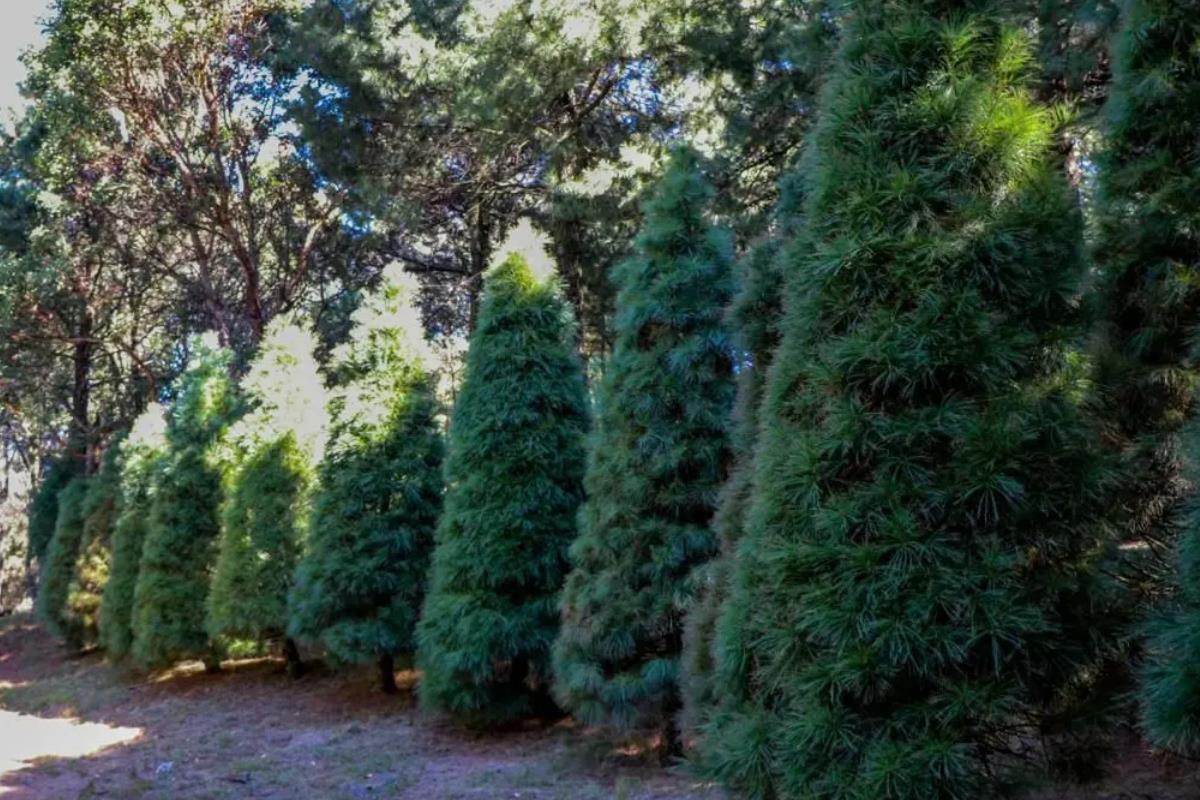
252 733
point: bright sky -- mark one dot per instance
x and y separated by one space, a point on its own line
19 29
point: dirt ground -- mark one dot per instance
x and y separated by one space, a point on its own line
79 728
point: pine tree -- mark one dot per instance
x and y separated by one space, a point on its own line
514 471
1149 250
43 509
918 584
274 451
656 462
139 458
181 535
359 587
55 580
91 570
752 316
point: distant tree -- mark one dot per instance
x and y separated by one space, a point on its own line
514 472
139 459
919 590
273 454
656 462
55 579
181 537
91 571
359 587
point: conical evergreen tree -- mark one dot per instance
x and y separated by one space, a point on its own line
90 574
359 587
1149 248
139 458
273 452
43 509
514 472
656 462
752 317
917 582
181 536
62 551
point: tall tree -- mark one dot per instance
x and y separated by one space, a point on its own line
656 461
919 578
181 536
359 586
55 579
274 451
139 459
91 569
514 471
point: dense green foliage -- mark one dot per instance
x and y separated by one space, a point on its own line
139 459
514 469
183 527
918 583
359 588
55 580
1149 248
43 508
752 316
91 572
656 462
275 448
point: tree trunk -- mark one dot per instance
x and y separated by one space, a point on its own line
212 663
387 674
295 665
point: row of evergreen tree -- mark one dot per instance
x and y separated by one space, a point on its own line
869 515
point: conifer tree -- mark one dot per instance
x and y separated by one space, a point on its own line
752 316
918 579
514 470
61 553
274 450
656 462
91 570
1149 249
181 535
359 587
43 509
139 457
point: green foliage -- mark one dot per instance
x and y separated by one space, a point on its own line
359 587
55 582
43 509
514 472
918 582
656 462
181 534
752 316
139 458
1149 248
92 564
274 448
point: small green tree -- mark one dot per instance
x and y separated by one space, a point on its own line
1149 250
359 587
273 453
91 571
514 472
656 462
918 583
181 536
139 458
61 553
752 316
43 509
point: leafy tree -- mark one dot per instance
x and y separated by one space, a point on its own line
656 462
274 448
514 471
1149 248
752 316
43 509
55 583
139 459
91 570
359 587
919 581
181 535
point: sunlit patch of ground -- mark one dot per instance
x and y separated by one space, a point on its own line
24 738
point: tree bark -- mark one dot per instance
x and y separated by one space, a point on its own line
387 674
295 665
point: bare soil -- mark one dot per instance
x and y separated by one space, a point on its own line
76 727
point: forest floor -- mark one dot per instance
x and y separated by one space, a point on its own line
76 727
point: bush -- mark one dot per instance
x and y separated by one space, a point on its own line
91 570
55 580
